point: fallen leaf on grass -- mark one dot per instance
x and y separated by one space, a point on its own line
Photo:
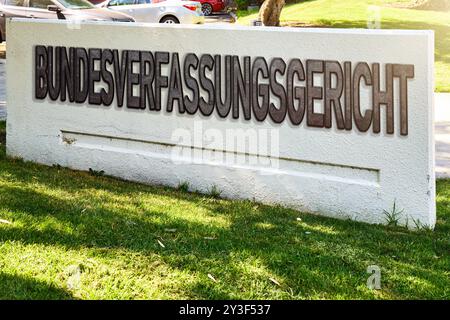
5 221
209 238
170 230
275 281
161 244
211 277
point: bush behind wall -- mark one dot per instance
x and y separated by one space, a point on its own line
243 4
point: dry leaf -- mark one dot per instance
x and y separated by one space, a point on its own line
5 221
211 277
275 281
161 244
170 230
209 238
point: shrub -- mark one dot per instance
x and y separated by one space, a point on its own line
243 4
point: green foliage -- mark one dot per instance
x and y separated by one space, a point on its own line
96 173
356 13
420 226
2 139
242 4
214 192
393 216
183 186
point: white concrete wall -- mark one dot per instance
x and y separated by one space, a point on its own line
344 174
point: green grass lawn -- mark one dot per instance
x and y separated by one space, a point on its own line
71 235
355 14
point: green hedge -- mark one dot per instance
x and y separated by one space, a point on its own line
243 4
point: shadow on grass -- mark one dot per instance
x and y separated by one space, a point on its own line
316 255
241 243
14 287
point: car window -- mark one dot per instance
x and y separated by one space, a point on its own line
121 2
17 3
40 4
76 4
144 1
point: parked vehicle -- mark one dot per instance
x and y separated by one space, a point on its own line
210 6
78 10
157 11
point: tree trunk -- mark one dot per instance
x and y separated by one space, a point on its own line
270 12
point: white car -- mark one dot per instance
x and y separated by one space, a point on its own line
158 11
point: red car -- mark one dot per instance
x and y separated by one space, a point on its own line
210 6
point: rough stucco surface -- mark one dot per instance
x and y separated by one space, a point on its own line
324 171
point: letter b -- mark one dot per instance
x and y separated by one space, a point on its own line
40 74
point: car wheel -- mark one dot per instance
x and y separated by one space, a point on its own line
169 19
207 9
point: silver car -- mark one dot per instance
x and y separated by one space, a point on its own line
158 11
79 10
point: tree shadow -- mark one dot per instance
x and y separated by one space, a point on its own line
298 254
14 287
317 255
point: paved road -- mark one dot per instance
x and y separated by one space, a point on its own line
442 124
220 18
442 134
